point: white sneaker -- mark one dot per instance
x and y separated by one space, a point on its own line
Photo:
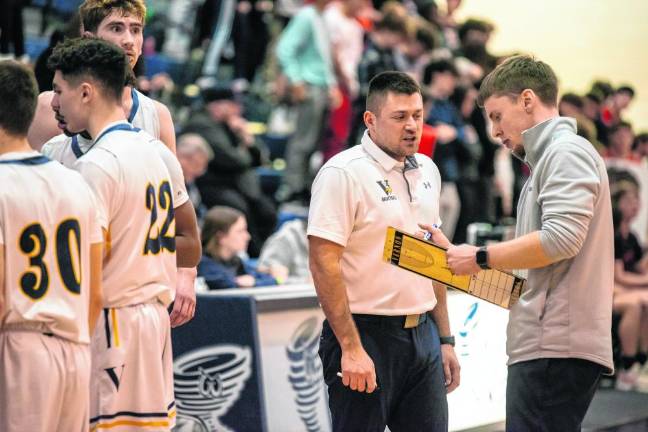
642 380
626 380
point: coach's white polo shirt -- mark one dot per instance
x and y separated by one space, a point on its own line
356 195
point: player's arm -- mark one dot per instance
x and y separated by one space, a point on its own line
44 126
167 130
96 297
358 370
188 248
2 280
451 368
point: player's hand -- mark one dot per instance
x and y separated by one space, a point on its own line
184 306
451 367
437 238
358 371
462 259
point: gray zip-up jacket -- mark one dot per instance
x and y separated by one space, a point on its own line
566 309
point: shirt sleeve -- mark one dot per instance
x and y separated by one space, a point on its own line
178 187
568 194
333 206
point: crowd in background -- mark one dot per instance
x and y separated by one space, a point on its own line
263 92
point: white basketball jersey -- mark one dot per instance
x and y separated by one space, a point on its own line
48 221
137 182
67 150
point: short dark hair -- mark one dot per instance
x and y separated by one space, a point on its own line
572 99
95 58
626 89
18 96
640 138
617 127
474 24
393 23
438 66
517 74
389 82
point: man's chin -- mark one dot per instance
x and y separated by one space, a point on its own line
68 133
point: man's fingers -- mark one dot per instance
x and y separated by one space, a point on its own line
447 373
353 384
362 383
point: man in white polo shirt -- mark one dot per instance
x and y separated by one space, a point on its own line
387 330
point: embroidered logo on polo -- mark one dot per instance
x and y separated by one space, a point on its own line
384 185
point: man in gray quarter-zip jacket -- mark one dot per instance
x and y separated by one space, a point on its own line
559 333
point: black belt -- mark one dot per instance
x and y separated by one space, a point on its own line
397 321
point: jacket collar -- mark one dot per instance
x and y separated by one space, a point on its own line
537 138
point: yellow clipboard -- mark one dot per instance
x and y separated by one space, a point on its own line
429 260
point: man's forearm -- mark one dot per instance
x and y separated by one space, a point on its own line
524 252
440 311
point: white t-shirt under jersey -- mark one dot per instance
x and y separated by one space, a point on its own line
67 149
48 221
137 183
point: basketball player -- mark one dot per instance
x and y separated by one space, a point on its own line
122 23
50 275
141 199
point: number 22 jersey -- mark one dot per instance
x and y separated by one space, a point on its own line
137 182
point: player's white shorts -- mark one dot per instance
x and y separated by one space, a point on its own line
131 385
44 382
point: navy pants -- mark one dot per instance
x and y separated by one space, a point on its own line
411 394
550 394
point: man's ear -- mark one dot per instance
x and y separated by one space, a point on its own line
87 34
528 98
87 92
369 119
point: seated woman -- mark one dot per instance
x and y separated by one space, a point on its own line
225 236
630 288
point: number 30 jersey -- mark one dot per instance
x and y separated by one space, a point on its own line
137 182
47 223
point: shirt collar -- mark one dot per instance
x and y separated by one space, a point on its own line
19 155
387 162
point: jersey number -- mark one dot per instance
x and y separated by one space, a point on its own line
156 242
33 243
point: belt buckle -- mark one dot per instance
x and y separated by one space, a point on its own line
412 321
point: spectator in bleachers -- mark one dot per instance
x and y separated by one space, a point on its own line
378 56
612 108
631 287
572 105
416 51
464 98
285 254
640 146
194 154
591 106
231 178
250 37
474 35
224 239
347 42
440 79
304 54
620 143
12 32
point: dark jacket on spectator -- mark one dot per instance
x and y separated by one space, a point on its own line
222 274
